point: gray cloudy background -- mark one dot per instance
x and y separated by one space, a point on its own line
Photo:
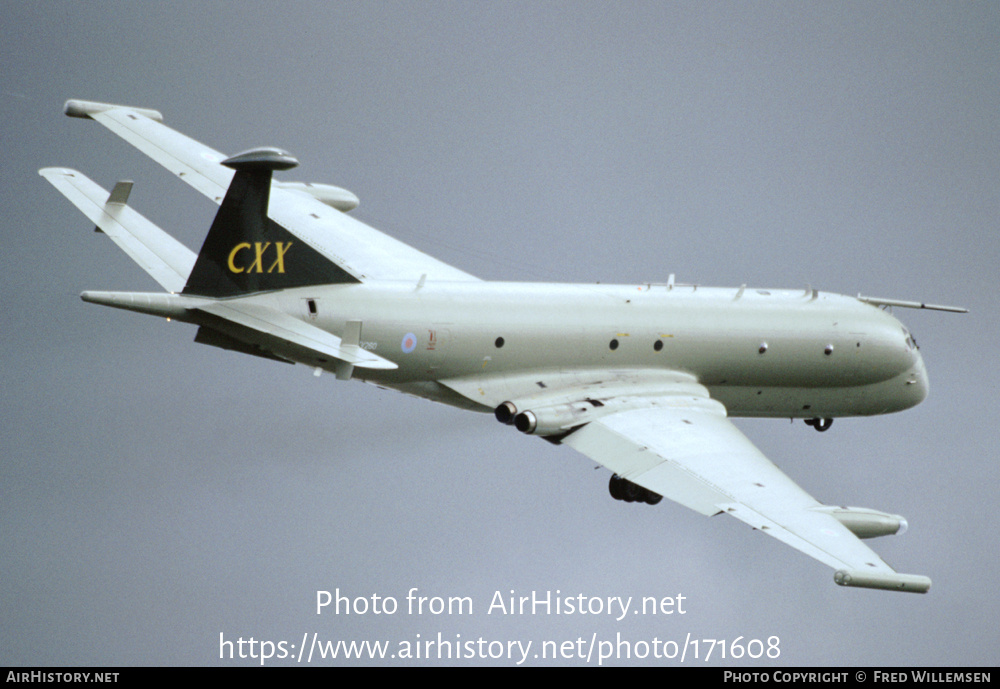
156 492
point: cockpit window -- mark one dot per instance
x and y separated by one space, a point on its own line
911 342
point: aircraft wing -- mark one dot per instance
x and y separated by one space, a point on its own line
359 249
165 259
672 439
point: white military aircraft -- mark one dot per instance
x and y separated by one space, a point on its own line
640 378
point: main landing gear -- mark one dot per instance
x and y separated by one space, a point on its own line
819 424
623 489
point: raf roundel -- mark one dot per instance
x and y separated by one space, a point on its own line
409 343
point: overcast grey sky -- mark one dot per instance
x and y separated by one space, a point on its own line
156 493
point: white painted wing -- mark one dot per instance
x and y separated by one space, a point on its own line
193 162
165 259
361 250
685 449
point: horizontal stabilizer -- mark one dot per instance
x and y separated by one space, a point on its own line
246 327
288 337
165 259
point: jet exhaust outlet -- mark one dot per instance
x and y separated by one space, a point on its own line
505 413
526 422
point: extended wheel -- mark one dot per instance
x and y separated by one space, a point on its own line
615 487
633 492
820 424
623 489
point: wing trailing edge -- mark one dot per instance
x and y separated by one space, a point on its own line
164 258
661 432
357 249
692 454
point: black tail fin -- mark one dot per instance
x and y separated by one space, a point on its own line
245 251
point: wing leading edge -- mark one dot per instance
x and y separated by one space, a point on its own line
690 452
360 250
674 440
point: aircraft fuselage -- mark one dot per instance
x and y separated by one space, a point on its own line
772 353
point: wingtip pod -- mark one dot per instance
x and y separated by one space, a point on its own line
912 583
86 108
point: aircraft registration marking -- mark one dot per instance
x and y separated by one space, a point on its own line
258 262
